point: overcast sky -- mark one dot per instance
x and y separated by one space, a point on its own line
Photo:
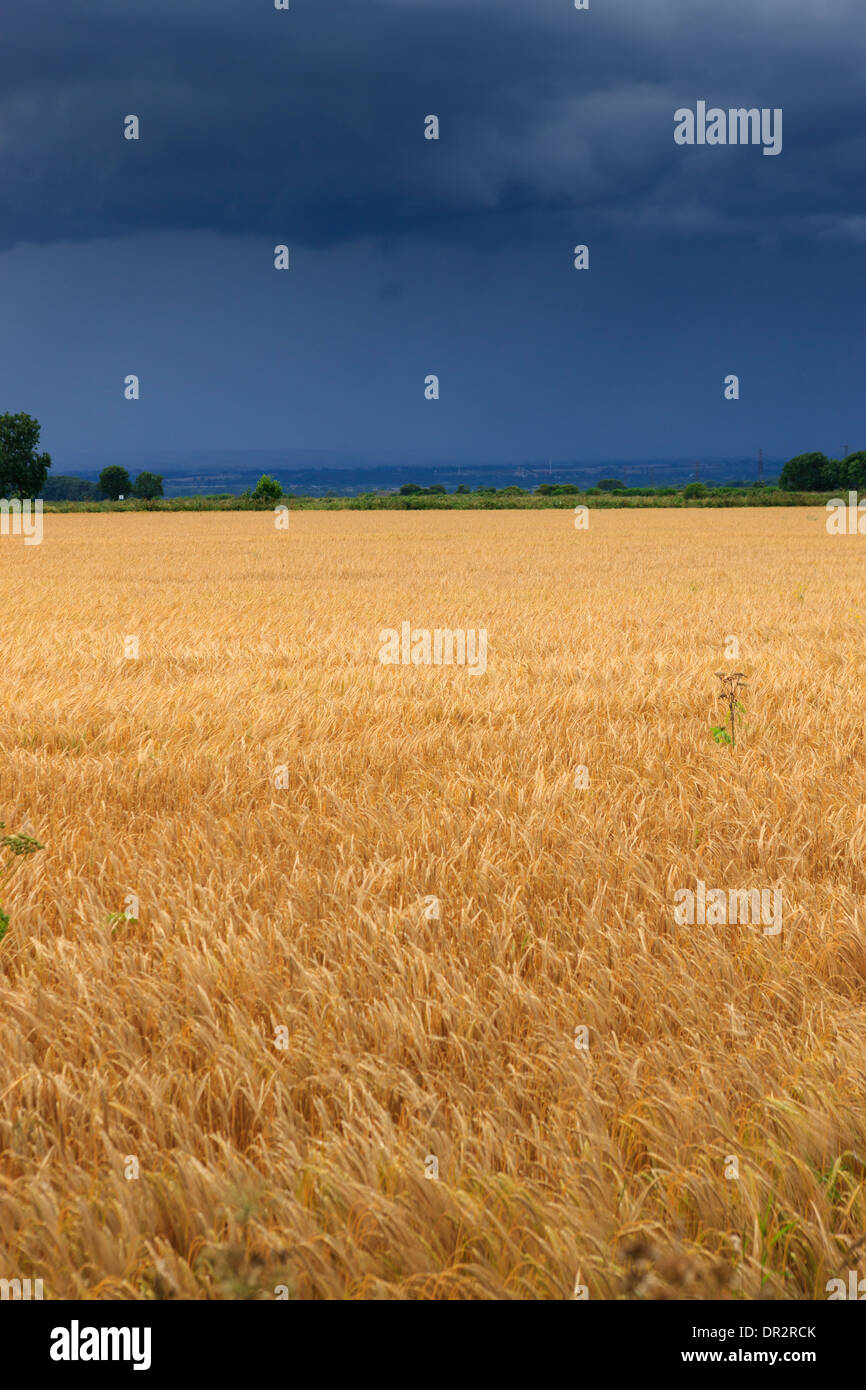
411 257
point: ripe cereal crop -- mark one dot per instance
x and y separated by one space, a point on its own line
333 981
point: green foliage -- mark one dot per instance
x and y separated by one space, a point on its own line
61 488
609 484
462 490
147 485
833 475
118 920
854 471
409 489
19 844
811 473
17 847
114 482
732 683
485 498
22 470
694 490
437 487
267 490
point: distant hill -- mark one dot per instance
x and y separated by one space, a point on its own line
189 475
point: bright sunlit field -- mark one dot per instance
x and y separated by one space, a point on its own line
308 930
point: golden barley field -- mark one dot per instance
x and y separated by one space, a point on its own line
286 1041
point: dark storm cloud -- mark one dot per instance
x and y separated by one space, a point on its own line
308 125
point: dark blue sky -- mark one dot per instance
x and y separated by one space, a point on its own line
412 257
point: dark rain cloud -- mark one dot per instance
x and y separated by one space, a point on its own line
308 125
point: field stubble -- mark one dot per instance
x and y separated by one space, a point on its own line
303 908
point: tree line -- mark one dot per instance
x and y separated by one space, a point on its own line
817 473
114 483
24 470
24 474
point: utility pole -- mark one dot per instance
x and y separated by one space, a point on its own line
844 451
760 468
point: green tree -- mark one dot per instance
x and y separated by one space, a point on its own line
22 470
806 473
833 475
148 485
410 489
854 471
114 482
462 490
65 489
437 487
609 484
694 490
267 489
